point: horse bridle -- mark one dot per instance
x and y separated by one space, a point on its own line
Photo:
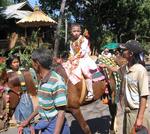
5 115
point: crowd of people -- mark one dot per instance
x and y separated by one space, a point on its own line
52 90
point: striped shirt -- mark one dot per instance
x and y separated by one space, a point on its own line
51 94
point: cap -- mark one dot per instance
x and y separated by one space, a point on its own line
133 46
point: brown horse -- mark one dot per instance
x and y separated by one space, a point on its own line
75 93
10 97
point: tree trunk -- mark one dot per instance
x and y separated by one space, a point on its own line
66 31
57 36
13 40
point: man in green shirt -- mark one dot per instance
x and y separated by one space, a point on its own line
51 96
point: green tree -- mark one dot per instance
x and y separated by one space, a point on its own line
17 1
126 19
4 3
56 47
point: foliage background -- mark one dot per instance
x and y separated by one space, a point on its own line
106 20
119 20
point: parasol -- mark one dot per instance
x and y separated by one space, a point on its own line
36 19
111 46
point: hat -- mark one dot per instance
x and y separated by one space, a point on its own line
133 46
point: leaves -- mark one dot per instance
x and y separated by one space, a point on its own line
124 19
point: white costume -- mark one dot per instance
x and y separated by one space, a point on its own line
82 65
85 63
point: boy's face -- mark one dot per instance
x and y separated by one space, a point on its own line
75 32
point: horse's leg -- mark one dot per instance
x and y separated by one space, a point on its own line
113 112
79 117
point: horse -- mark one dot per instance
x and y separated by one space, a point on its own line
10 94
76 97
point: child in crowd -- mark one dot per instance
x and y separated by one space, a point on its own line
51 97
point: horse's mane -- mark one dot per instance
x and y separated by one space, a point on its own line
60 70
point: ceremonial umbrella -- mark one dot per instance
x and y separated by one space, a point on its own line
36 19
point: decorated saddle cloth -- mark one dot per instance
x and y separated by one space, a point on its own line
75 73
111 62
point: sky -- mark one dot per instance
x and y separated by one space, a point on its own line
32 2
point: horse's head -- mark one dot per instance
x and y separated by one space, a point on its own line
22 81
11 88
